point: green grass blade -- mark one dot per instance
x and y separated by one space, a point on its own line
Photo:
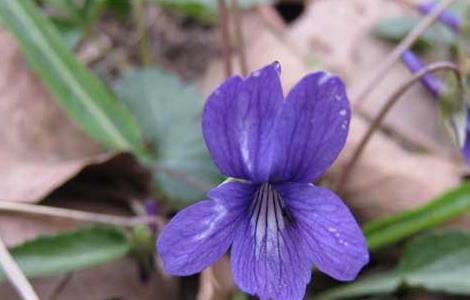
70 251
384 232
85 99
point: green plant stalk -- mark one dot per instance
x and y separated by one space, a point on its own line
384 232
142 33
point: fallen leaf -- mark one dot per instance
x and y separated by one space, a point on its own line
116 280
40 147
353 52
42 150
389 179
104 187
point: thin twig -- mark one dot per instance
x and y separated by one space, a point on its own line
239 40
379 73
223 17
61 286
142 32
77 215
15 275
376 123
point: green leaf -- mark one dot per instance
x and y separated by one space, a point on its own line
384 232
71 34
436 262
71 251
170 115
385 283
395 29
81 95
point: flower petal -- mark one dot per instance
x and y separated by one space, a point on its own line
238 122
268 256
312 128
336 243
201 233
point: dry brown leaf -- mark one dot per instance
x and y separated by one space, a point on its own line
388 179
116 280
353 52
105 187
42 149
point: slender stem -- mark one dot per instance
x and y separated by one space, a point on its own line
379 73
239 40
142 34
15 275
76 215
223 17
391 101
61 286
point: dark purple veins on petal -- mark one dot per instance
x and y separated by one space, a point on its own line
268 257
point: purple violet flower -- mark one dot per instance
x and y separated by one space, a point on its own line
276 222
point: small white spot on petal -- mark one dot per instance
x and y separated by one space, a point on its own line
256 74
324 79
245 150
337 234
277 65
332 229
342 112
220 212
338 98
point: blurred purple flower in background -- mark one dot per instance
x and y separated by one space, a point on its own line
446 17
431 83
276 222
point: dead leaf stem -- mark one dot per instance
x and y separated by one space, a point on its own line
239 39
379 73
142 32
77 215
223 19
391 101
15 275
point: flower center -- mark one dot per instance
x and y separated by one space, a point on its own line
268 216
